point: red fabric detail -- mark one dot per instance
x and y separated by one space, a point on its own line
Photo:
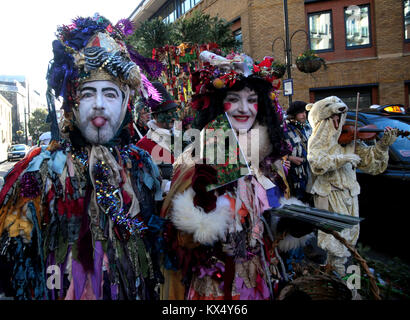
125 197
79 207
96 42
18 168
147 145
60 207
228 277
204 176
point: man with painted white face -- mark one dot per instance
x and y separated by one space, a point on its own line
100 111
78 219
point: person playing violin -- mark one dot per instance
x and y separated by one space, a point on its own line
335 187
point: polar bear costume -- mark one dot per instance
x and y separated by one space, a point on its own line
335 187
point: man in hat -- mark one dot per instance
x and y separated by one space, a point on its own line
143 115
74 218
159 139
297 135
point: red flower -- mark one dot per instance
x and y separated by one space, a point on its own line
266 62
109 28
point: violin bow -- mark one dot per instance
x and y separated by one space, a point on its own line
355 121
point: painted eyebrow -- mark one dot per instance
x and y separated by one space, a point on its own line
103 90
110 89
88 88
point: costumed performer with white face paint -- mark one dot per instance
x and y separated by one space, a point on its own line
218 245
74 218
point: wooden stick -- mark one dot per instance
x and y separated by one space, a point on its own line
355 121
373 285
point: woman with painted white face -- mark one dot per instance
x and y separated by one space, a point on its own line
242 108
220 235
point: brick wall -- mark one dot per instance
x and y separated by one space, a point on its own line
387 62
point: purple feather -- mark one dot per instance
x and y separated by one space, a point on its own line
126 27
152 67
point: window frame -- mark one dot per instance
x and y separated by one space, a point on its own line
404 25
331 25
370 44
234 33
371 88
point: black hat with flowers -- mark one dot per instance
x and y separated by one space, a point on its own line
166 103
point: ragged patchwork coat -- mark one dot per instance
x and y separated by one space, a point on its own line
80 223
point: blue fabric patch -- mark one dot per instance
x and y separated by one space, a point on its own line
57 162
36 162
274 194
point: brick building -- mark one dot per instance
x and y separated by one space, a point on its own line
366 43
24 100
5 127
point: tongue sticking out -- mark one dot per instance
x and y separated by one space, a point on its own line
99 121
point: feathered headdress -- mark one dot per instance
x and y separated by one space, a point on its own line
91 49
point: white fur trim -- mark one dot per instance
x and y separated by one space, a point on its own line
205 227
290 242
283 201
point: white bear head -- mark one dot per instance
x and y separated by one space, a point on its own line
325 109
326 127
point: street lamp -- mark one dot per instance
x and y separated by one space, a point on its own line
287 44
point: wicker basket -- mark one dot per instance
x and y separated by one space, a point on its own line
309 66
316 287
279 71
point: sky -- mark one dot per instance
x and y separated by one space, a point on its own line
27 29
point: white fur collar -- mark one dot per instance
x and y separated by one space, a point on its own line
290 242
206 228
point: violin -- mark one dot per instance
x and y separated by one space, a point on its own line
368 132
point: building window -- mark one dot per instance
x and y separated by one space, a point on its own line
238 37
357 26
168 12
407 20
320 31
186 5
348 94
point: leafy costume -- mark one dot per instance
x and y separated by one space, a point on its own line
77 220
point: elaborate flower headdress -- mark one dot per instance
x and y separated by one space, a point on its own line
223 72
93 48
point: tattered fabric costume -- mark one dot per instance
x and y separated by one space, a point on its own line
77 219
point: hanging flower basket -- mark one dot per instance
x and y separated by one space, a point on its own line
278 69
309 62
309 66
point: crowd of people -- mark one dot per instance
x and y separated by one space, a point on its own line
126 202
